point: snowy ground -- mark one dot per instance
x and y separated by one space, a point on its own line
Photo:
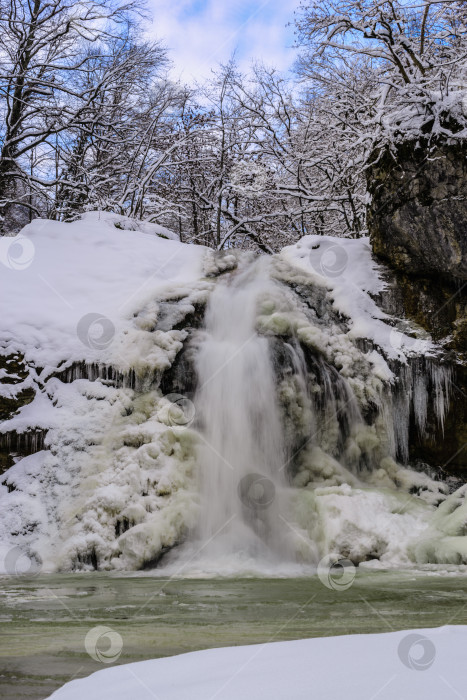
424 664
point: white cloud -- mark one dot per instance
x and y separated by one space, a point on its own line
202 33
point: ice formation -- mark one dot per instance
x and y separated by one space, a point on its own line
268 430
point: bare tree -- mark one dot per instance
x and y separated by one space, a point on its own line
43 49
417 51
105 158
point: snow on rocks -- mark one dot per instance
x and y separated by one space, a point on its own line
95 310
346 268
85 298
76 295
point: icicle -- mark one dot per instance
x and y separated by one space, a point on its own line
441 382
420 402
26 443
107 373
401 412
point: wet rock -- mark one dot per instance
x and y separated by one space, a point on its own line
181 377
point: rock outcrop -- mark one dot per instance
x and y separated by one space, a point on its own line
418 213
417 221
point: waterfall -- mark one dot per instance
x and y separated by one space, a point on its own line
242 454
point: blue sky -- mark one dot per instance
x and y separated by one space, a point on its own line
202 33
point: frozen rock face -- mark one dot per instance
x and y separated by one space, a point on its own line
16 392
234 407
418 213
418 224
434 309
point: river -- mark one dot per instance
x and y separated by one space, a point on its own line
45 620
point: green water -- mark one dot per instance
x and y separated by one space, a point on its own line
44 621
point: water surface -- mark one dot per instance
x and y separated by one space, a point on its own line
44 621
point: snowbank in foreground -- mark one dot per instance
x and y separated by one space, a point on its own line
412 664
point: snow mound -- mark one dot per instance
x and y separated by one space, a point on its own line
69 291
424 664
125 223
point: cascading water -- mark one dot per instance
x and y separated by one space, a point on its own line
242 455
